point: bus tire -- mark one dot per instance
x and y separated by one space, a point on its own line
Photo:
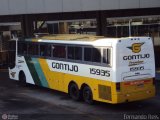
87 95
74 92
22 78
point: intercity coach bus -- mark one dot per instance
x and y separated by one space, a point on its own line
87 67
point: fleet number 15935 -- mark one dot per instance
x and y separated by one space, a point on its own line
100 72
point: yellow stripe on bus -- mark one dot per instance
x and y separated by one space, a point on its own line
47 72
54 79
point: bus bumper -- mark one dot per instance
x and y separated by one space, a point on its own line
134 96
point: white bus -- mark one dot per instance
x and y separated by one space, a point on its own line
112 70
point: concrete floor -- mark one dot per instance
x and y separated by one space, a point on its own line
35 103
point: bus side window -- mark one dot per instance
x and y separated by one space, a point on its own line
92 54
70 51
42 50
96 55
59 51
87 54
107 56
32 49
78 53
22 48
45 50
74 53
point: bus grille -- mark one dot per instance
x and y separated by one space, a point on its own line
104 92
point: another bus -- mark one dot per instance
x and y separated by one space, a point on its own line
92 68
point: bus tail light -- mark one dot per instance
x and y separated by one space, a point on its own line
118 86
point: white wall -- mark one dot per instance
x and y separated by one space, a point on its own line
71 5
4 8
17 6
149 3
129 4
52 5
48 6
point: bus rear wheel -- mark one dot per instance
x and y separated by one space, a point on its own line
87 95
74 92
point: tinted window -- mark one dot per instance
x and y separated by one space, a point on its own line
92 54
45 50
59 51
75 53
78 53
33 49
70 52
107 56
96 55
87 54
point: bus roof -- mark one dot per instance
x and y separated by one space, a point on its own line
79 39
69 37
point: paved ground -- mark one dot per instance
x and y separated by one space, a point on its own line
34 103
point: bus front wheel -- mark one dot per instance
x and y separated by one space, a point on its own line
74 92
22 78
87 95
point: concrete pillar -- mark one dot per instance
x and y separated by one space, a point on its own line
27 26
101 24
63 28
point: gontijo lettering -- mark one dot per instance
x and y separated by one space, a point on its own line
136 57
66 67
